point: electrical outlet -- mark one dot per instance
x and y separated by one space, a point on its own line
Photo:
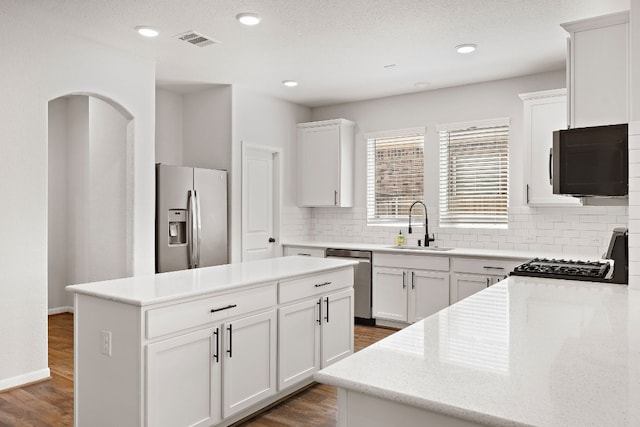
105 342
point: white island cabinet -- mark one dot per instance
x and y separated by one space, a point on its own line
523 352
200 347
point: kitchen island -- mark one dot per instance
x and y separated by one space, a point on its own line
524 352
207 346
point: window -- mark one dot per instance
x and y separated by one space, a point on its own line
474 174
395 175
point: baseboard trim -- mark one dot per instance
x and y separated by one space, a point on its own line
58 310
25 379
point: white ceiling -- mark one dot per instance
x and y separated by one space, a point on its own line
336 49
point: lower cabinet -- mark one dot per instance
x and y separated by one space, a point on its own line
408 295
185 374
464 285
248 361
313 333
179 364
471 275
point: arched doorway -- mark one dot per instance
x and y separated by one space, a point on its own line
90 194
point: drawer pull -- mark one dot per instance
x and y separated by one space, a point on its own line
303 254
322 284
215 310
230 329
217 353
327 316
492 268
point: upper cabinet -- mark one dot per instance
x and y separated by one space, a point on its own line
325 163
544 112
598 70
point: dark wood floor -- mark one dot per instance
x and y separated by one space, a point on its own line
50 403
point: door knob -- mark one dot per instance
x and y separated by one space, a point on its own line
272 240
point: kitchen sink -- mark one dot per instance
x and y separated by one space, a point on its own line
420 248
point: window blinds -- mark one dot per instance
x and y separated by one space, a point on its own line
395 176
474 176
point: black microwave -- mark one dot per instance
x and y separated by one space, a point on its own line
591 161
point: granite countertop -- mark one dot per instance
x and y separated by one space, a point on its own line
524 352
162 287
412 250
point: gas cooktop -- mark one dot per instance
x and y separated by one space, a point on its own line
595 271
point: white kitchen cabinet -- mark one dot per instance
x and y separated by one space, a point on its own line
404 293
598 70
178 364
242 353
303 251
315 330
389 293
337 327
471 275
249 361
544 112
325 163
200 347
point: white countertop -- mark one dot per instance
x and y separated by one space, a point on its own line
524 352
411 250
157 288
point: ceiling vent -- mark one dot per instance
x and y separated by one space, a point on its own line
196 39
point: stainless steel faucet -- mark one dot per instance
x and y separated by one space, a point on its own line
427 239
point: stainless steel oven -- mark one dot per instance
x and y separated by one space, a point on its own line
362 282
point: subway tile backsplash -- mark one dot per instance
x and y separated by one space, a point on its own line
583 230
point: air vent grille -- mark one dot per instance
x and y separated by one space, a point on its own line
196 39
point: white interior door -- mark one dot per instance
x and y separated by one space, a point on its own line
260 184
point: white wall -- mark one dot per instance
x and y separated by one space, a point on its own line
57 193
108 198
46 65
169 146
267 121
583 231
207 128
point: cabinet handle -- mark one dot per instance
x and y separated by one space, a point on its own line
487 282
413 280
319 304
492 268
229 328
215 310
404 279
335 198
300 253
217 353
527 193
322 284
551 166
327 316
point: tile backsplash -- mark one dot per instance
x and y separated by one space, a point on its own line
583 230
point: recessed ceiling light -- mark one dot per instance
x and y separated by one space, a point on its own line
466 48
290 83
248 18
421 85
147 31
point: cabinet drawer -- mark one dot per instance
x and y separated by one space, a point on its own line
422 262
297 250
173 318
496 267
315 284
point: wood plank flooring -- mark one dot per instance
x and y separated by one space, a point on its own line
50 403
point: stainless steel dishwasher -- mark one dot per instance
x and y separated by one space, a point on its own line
362 282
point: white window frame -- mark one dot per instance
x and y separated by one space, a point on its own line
398 220
498 219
